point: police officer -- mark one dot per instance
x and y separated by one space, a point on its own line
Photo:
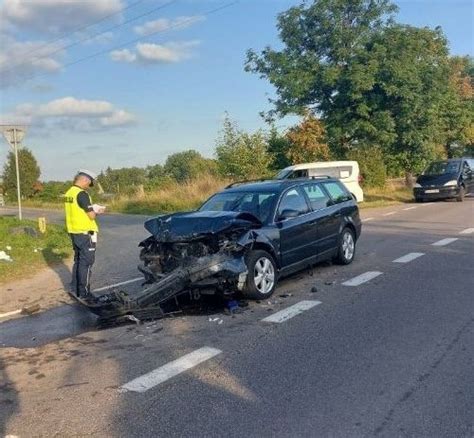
82 227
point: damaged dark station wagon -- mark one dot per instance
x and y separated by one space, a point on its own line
249 235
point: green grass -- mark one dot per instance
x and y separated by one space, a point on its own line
384 197
51 248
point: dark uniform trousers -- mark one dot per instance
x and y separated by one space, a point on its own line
84 258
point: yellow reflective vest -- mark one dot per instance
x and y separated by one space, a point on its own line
77 221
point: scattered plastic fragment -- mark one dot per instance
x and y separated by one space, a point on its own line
4 256
287 295
329 283
9 248
221 321
314 289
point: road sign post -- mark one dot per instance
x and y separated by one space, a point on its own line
14 135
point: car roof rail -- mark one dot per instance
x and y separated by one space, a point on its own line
236 183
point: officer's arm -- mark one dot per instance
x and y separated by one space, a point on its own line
84 201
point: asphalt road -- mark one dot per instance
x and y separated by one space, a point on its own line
392 357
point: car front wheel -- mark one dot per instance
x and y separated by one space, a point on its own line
262 275
347 246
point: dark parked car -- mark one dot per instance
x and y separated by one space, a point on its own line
250 234
445 179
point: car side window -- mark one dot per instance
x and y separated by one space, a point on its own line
293 200
317 197
337 192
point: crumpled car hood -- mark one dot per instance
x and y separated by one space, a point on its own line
182 227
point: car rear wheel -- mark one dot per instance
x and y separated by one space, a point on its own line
462 192
347 247
262 275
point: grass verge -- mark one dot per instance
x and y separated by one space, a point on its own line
384 197
28 253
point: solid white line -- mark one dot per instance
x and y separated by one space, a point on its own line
171 369
409 208
133 280
14 312
368 219
444 242
296 309
363 278
467 231
409 257
389 214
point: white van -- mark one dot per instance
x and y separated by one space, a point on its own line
346 171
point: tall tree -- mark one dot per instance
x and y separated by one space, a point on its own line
242 155
188 165
278 146
307 141
29 174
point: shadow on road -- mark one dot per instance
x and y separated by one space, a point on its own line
9 404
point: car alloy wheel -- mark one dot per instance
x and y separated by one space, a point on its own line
348 245
264 275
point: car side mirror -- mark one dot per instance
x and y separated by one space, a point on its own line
288 214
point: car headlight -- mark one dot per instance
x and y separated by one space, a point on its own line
453 182
417 186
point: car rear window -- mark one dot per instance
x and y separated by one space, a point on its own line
316 195
337 192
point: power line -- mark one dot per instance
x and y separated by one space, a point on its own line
81 28
91 37
121 46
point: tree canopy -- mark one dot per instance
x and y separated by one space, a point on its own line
29 174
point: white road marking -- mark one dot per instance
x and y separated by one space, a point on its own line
409 208
14 312
367 219
409 257
133 280
296 309
467 231
424 204
171 369
363 278
389 214
444 242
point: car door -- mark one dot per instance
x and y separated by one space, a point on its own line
339 195
295 232
324 224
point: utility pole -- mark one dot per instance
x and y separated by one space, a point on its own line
14 135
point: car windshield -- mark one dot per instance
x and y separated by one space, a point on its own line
282 174
442 167
259 204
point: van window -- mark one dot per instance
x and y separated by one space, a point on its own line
303 173
316 195
337 192
340 172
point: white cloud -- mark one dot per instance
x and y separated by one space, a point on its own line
57 16
69 113
149 53
163 24
22 60
124 55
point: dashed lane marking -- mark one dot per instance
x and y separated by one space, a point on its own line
363 278
444 242
409 257
290 312
467 231
133 280
368 219
389 214
171 369
409 208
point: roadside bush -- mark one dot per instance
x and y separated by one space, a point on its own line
371 163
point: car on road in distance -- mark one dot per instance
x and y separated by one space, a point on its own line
250 234
445 179
346 171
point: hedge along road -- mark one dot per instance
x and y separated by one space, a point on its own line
388 357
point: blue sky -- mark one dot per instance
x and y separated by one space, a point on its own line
166 92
